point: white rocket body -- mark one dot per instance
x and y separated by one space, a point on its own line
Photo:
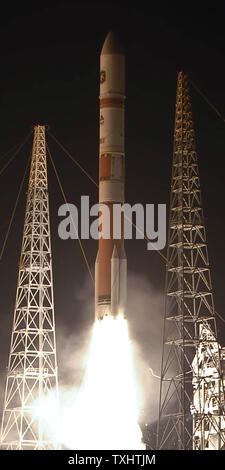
111 263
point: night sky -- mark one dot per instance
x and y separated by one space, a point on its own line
50 75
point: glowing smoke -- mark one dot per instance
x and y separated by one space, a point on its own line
105 411
106 381
145 314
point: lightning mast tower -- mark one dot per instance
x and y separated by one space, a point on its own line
191 407
32 367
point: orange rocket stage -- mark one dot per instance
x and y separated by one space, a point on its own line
111 263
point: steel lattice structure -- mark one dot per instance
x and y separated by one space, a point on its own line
186 415
32 367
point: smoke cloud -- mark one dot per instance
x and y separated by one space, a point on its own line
145 313
145 322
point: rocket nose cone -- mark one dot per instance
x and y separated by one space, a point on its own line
115 252
112 44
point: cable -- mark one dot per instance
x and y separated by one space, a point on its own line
221 318
8 151
223 119
96 184
133 224
208 101
15 153
73 159
14 210
64 197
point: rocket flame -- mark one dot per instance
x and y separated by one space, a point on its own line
104 411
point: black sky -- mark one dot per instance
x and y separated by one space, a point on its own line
49 59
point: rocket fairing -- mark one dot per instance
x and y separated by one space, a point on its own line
111 262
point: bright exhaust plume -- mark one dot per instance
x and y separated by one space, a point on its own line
104 412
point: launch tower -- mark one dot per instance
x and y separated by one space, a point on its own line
32 368
191 407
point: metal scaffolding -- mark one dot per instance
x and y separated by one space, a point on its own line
185 419
32 367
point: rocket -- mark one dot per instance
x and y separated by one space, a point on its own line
111 261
